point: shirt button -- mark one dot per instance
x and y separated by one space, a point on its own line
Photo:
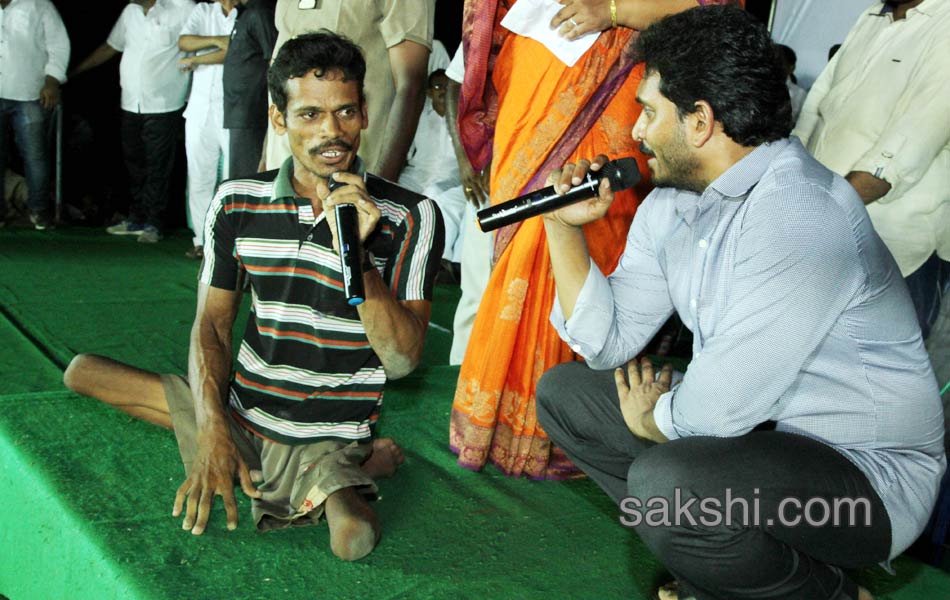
692 303
703 244
576 348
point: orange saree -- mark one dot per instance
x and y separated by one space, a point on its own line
541 108
529 113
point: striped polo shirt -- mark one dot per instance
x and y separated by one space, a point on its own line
306 371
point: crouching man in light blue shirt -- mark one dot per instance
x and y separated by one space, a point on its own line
800 318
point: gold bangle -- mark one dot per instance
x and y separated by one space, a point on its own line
613 13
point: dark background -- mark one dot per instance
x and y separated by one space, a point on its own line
94 177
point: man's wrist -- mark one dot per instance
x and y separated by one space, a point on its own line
552 220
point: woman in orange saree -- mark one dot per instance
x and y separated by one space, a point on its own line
527 113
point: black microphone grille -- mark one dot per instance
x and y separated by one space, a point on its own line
623 173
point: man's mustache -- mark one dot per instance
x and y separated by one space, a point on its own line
337 144
646 149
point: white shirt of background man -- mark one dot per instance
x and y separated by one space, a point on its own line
882 106
33 44
207 83
149 72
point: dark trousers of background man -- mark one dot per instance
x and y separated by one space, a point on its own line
149 143
28 121
579 409
927 286
245 150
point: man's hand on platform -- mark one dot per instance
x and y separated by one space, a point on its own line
212 474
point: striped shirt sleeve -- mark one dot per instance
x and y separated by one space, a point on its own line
221 266
419 242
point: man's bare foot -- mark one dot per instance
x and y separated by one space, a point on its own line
354 528
863 594
384 460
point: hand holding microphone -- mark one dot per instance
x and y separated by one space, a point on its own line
354 216
572 184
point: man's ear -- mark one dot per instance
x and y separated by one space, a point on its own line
702 124
277 120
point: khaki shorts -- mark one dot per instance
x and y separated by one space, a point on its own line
297 479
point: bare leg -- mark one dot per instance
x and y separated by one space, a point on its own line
354 528
133 391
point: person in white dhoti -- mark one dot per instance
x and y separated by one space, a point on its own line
432 169
206 33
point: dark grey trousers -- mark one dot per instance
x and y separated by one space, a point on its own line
756 549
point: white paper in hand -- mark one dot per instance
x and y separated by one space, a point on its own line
532 18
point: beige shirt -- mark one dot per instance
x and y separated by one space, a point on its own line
375 26
882 105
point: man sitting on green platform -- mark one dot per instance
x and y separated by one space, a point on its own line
300 409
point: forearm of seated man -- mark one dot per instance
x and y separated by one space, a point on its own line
395 329
217 460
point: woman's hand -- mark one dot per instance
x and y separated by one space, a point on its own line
579 17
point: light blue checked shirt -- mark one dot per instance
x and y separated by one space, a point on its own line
799 316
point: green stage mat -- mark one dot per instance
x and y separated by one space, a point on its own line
88 491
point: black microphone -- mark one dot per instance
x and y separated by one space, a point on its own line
623 174
348 237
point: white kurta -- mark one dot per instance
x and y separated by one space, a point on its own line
206 139
881 107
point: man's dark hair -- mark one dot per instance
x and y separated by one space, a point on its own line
787 58
322 52
722 55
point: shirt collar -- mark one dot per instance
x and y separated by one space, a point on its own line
284 182
734 184
925 8
741 177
